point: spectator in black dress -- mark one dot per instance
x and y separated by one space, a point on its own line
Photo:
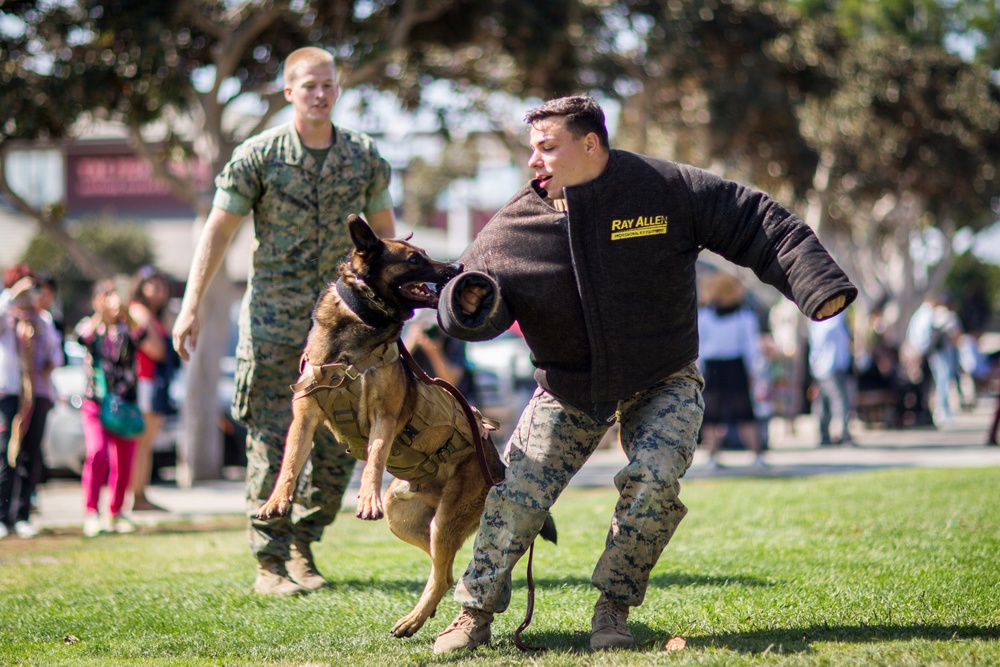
730 357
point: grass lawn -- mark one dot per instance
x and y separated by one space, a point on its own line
886 568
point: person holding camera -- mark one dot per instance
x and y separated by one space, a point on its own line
112 338
441 356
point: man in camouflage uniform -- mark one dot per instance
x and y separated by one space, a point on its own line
301 181
595 260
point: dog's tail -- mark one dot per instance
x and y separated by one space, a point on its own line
548 531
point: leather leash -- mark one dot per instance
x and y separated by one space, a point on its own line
484 467
476 427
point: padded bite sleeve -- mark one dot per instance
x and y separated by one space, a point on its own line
489 321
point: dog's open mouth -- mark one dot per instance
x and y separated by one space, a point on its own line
420 291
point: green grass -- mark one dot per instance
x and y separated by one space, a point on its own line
888 568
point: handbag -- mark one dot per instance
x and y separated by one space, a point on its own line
118 416
121 417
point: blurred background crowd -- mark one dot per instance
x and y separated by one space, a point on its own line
849 371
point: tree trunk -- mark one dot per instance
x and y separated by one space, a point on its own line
200 450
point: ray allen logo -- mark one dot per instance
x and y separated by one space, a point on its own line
643 225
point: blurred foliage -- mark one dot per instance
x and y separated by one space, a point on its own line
721 83
975 24
975 286
132 60
910 119
426 181
124 245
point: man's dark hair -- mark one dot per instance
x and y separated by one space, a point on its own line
583 115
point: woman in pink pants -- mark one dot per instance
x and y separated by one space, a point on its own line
112 338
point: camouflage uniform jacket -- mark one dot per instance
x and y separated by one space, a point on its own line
605 294
300 222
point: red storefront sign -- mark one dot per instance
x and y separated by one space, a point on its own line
111 179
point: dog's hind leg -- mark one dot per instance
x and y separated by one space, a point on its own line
451 524
409 516
410 519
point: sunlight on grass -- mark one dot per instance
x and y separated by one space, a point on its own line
883 568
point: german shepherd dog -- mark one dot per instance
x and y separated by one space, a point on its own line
381 282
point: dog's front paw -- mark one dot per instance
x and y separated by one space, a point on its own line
369 507
408 625
274 507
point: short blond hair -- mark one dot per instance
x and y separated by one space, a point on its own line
307 56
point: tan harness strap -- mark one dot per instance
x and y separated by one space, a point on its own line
409 464
477 430
342 413
343 387
315 377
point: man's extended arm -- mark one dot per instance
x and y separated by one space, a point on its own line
750 228
220 227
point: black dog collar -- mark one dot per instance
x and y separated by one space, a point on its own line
374 314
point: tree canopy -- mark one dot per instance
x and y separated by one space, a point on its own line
131 60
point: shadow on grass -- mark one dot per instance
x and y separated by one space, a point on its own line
387 587
786 641
801 640
416 583
663 581
173 526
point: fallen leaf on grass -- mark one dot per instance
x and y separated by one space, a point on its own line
676 644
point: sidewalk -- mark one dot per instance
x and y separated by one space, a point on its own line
793 452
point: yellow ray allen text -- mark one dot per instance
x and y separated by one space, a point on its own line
648 225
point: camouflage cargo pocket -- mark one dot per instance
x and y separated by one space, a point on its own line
518 440
243 381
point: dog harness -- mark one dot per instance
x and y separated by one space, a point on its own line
414 457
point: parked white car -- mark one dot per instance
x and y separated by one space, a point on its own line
62 444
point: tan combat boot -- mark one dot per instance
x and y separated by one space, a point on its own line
608 627
272 578
302 567
469 630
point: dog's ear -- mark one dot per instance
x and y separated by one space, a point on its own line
362 235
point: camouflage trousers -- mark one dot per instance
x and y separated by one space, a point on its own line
659 431
263 402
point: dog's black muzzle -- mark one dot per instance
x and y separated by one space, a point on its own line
448 272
